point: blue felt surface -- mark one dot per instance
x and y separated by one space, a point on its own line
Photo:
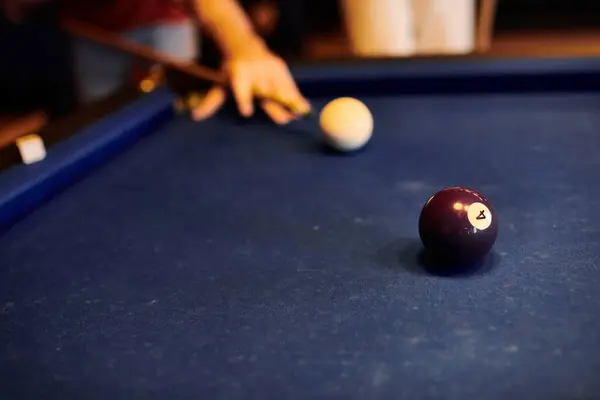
238 260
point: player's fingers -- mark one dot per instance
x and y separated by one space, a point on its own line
209 105
288 92
290 103
294 99
242 88
278 113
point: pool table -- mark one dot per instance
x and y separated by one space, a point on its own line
149 256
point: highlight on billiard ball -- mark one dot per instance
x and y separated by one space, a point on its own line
458 225
346 124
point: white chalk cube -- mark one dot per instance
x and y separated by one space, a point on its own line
32 148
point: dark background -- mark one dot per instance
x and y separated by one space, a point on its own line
35 66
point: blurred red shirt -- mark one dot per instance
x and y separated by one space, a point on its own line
120 15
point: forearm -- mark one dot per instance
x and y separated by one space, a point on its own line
227 22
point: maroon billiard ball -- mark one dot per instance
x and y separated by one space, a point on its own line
458 224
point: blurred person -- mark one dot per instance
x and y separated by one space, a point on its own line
168 26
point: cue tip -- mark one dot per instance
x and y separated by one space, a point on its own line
311 116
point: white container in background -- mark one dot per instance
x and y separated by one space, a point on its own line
379 27
445 26
408 27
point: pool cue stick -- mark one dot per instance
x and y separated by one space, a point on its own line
98 35
107 38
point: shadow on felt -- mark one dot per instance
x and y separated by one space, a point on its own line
409 255
305 131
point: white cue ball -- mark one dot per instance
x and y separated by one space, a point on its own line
346 123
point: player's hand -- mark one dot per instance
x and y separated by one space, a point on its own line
256 71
